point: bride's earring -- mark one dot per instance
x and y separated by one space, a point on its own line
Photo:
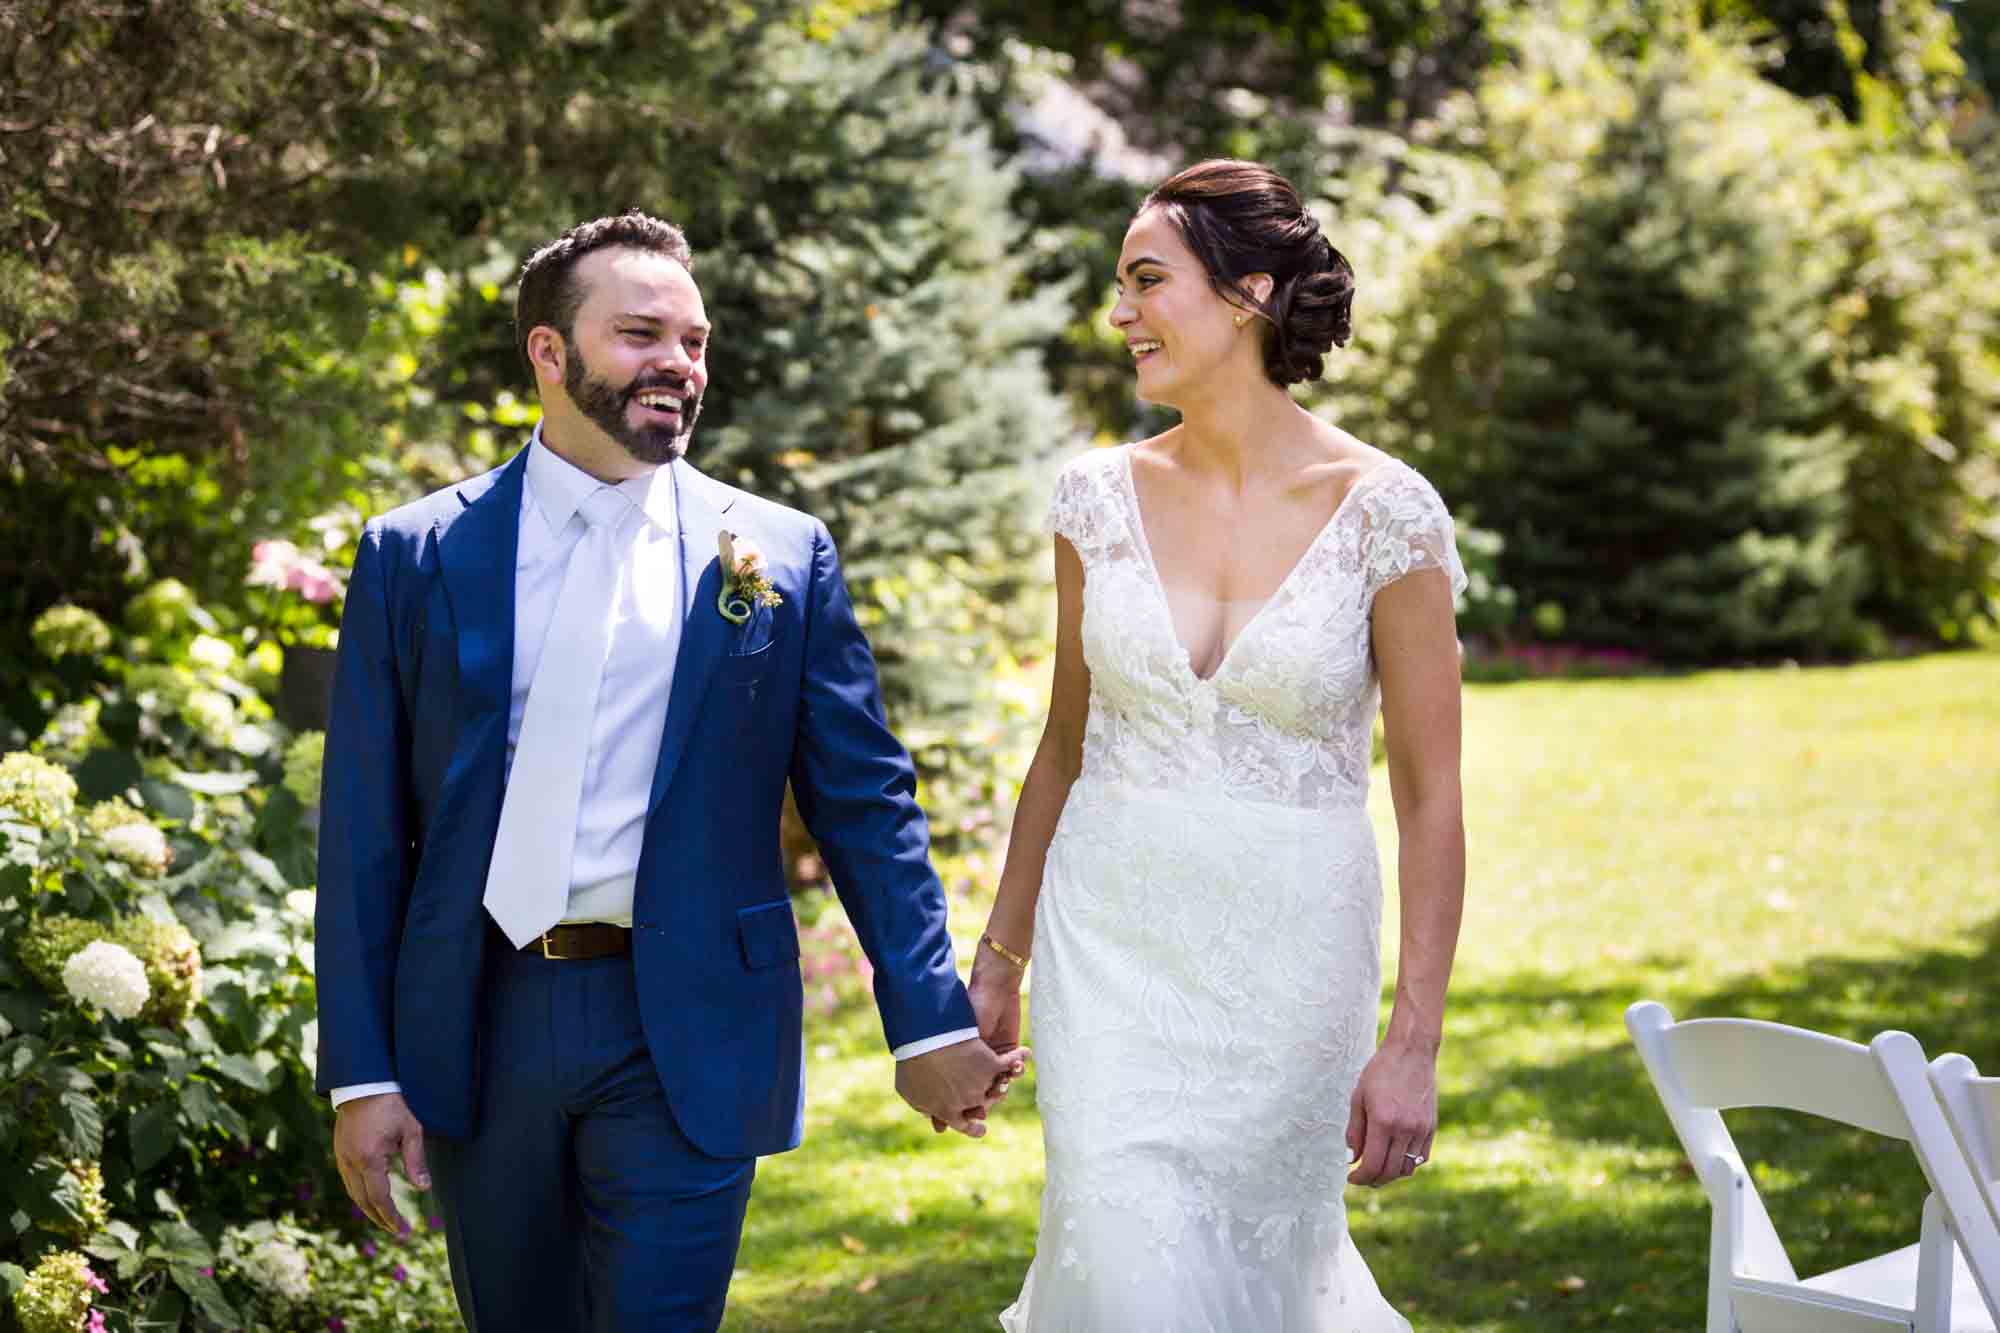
1239 321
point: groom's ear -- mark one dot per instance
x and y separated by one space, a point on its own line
546 353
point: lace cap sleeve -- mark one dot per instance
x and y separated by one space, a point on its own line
1406 528
1081 508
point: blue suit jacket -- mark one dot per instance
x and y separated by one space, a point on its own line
415 763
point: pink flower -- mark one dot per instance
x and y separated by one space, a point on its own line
280 564
399 1272
95 1283
95 1324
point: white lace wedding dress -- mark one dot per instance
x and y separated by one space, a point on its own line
1207 942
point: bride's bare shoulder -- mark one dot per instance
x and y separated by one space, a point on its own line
1344 458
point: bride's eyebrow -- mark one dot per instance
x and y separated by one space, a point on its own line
1137 264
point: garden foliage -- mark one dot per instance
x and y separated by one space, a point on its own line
156 998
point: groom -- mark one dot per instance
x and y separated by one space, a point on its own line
557 964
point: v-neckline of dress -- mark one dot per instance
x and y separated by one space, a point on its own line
1185 655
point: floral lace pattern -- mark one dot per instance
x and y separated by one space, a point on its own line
1286 717
1207 941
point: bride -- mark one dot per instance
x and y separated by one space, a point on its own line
1192 864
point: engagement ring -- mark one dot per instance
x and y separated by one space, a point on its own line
1416 1159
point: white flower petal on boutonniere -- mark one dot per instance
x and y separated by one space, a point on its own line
745 586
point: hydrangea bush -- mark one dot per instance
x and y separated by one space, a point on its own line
169 1164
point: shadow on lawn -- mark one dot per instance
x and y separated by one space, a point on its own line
1575 1209
1636 1234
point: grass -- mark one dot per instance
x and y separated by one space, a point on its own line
1811 846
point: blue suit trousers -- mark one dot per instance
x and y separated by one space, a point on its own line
577 1203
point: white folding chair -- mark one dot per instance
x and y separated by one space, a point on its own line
1705 1066
1971 1106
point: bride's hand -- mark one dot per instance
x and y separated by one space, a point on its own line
995 989
1393 1116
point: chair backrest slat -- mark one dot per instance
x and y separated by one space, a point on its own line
1726 1063
1972 1105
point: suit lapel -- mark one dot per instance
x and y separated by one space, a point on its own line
704 633
476 551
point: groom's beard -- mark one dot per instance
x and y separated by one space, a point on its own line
604 403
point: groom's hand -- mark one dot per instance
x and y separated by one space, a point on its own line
954 1085
368 1134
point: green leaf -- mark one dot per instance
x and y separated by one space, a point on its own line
12 1278
21 1011
178 1243
254 1074
103 774
230 1122
165 1311
118 1240
53 1196
79 1124
247 938
168 799
152 1132
216 784
199 1104
263 868
18 1055
208 1297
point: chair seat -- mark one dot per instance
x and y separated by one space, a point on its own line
1891 1280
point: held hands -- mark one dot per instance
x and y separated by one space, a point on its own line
1393 1116
368 1134
995 990
954 1085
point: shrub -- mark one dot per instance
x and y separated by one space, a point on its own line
156 998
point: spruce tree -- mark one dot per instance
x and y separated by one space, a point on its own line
1658 471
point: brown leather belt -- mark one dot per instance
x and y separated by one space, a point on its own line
591 939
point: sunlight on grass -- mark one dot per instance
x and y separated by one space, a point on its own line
1807 846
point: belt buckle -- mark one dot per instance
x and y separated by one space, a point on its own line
546 937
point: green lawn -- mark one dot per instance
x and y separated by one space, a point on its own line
1813 846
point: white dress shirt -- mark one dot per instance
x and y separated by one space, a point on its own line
631 712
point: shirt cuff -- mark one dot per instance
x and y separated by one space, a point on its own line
912 1049
354 1090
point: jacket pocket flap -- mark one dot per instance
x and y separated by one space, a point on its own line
768 934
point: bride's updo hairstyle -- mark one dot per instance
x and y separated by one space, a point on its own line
1241 218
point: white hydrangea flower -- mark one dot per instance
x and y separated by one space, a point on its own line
211 715
70 631
211 652
139 845
279 1268
302 901
71 733
108 976
38 790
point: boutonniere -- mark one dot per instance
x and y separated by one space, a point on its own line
745 586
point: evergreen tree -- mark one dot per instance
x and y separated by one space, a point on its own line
1660 474
311 304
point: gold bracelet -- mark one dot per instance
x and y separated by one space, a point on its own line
1004 951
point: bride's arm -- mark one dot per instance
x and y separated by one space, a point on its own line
996 979
1416 657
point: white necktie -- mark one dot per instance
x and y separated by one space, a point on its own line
527 886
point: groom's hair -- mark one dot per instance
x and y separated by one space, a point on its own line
549 293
